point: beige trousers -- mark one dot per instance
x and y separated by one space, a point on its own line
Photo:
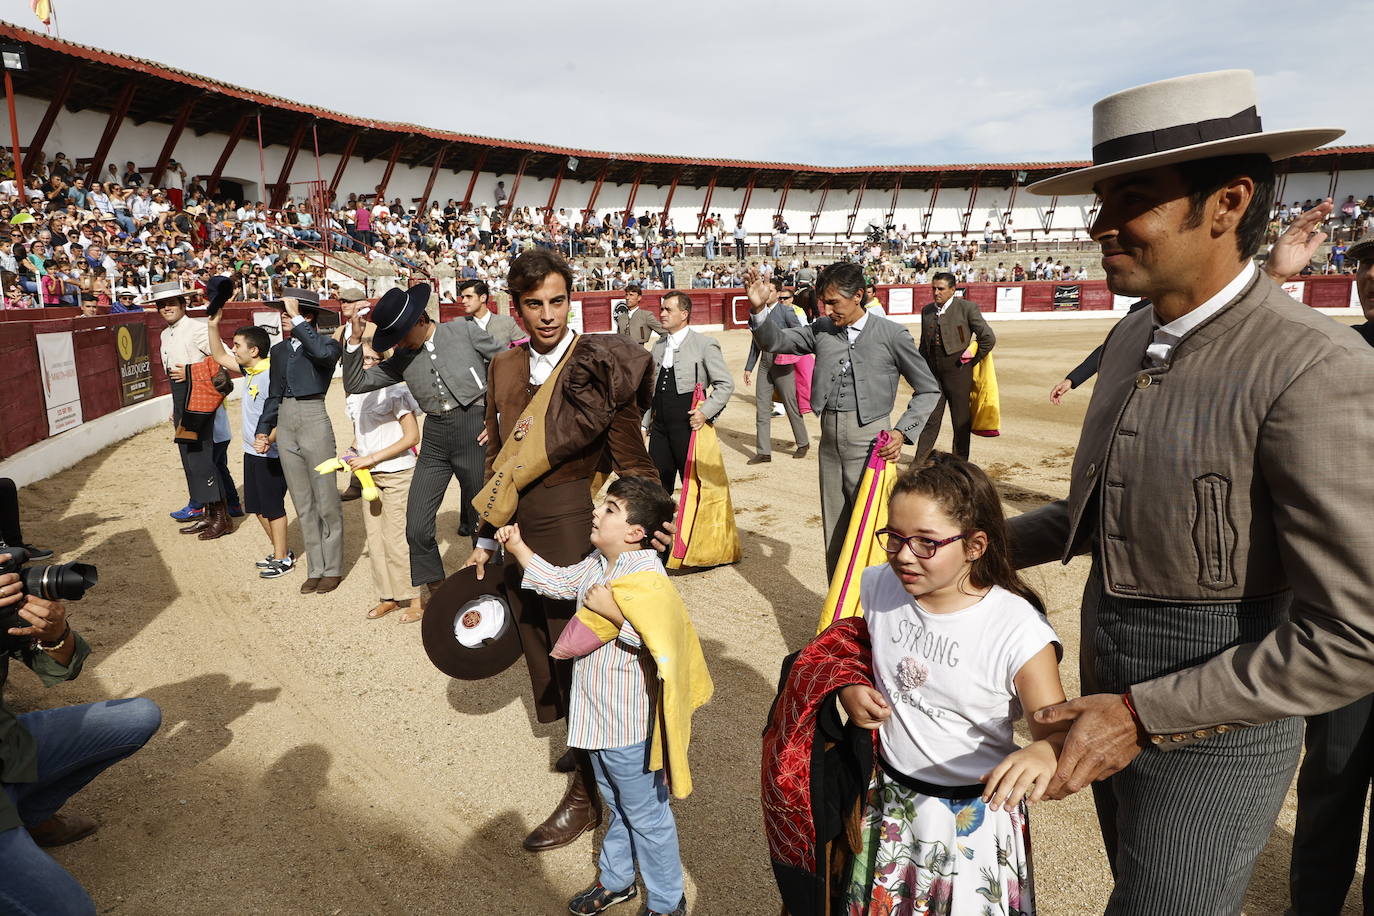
385 524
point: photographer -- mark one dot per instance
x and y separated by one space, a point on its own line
48 755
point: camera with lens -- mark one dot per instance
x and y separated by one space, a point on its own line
60 582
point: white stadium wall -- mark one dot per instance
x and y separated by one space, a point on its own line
78 133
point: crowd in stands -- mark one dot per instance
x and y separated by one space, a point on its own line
105 243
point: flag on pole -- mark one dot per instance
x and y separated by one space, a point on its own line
706 533
861 550
43 10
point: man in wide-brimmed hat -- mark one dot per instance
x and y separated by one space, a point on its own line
445 367
298 380
1222 484
185 342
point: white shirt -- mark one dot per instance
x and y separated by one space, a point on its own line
483 321
1167 336
853 330
949 679
674 341
376 417
542 364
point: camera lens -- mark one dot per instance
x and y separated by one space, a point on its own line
64 582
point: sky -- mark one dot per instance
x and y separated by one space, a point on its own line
820 83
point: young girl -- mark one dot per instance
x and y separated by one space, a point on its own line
961 648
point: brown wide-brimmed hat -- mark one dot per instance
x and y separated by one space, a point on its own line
469 628
1180 120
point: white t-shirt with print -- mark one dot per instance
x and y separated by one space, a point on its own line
948 678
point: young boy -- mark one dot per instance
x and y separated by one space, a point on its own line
264 485
617 689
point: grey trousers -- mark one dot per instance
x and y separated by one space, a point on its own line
1184 827
845 444
448 449
305 439
784 379
1333 795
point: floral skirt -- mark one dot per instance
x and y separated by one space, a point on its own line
925 856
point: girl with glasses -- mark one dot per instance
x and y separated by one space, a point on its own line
961 649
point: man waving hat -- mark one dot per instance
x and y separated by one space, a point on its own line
1222 484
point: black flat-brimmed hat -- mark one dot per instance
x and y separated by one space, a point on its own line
218 289
396 313
1180 120
469 628
1360 250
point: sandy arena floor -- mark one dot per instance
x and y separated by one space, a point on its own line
313 762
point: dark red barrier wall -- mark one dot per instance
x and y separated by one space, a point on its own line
23 412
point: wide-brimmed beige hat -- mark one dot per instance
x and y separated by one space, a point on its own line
1180 120
171 289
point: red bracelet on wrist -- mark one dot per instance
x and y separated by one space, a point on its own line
1130 707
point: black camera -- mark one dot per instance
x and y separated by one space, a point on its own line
62 582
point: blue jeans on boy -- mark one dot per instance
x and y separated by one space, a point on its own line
75 745
641 829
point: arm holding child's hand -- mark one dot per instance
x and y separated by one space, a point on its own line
865 706
600 600
1026 773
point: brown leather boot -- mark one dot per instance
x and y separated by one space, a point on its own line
219 522
578 812
198 525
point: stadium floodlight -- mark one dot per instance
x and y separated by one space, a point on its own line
572 163
14 57
1021 177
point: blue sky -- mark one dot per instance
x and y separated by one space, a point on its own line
858 83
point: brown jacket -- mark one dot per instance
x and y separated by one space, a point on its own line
1244 468
961 323
622 448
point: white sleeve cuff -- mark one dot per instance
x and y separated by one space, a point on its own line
488 544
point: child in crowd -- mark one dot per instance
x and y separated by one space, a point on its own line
385 433
961 647
632 713
264 484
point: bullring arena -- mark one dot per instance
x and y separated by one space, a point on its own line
313 761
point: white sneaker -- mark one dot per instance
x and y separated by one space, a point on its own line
270 560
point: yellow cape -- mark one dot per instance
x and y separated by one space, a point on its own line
860 549
706 533
984 400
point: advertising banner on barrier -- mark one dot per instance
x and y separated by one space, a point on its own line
135 364
1008 299
271 323
901 301
1066 298
575 316
1295 288
62 394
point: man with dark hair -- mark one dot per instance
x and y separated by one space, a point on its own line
554 506
950 325
475 298
776 376
299 373
636 323
1222 485
859 357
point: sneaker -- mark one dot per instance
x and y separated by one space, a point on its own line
596 899
36 553
778 410
278 568
189 513
271 560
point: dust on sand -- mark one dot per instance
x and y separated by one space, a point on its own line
311 761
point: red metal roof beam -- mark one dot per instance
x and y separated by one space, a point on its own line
858 199
553 193
40 136
390 167
170 144
433 174
634 192
820 207
589 210
706 202
515 185
282 188
117 113
748 195
347 155
472 182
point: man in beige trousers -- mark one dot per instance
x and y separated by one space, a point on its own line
1222 483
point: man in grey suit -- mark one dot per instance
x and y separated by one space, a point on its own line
445 366
636 323
298 381
779 377
949 327
682 360
475 298
860 356
1222 484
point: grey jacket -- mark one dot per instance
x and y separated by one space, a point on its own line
1244 468
783 318
461 353
699 359
504 330
639 326
883 353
